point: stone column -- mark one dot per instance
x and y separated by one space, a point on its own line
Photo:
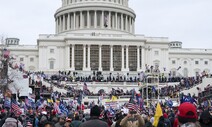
138 58
111 57
89 55
73 59
127 58
60 26
130 26
122 22
67 60
81 20
56 23
122 57
109 20
100 57
126 23
143 58
74 21
95 19
68 22
102 24
133 27
88 19
64 22
116 17
84 57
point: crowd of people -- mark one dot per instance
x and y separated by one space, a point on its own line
65 114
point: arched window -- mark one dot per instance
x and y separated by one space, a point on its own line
51 65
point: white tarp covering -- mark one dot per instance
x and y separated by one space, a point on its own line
19 83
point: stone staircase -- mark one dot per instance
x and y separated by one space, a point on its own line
193 90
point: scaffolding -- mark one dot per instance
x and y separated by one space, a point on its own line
150 88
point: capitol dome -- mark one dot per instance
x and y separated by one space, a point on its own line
108 16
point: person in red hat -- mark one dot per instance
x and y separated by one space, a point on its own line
187 115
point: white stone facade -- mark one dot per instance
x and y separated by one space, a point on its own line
98 35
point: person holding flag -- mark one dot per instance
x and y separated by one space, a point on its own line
133 119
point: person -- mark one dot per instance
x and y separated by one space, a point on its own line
62 119
12 122
48 124
164 121
76 122
205 119
187 115
94 121
133 119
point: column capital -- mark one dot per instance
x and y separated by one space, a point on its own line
111 46
68 45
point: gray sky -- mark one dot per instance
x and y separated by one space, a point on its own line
189 21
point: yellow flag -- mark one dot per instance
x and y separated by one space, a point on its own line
49 100
114 98
158 114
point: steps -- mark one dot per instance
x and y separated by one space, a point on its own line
193 90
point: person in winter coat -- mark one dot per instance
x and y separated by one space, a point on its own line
187 115
205 119
94 121
62 120
12 122
76 122
164 122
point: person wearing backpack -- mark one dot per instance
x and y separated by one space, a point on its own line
164 122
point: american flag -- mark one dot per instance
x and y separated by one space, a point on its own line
134 107
15 108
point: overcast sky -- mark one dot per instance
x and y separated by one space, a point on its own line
189 21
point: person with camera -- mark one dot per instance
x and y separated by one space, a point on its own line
133 119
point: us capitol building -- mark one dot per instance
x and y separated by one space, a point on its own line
99 35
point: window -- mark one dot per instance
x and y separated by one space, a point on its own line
51 65
31 59
206 62
21 59
173 61
185 62
196 62
156 53
51 50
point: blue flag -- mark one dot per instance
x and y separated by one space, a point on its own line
7 103
63 109
169 103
